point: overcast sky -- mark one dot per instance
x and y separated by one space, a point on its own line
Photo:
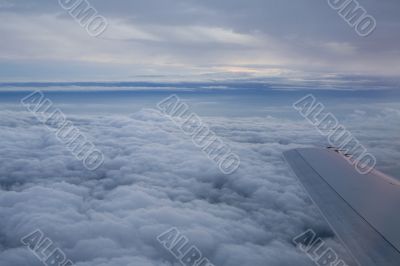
186 39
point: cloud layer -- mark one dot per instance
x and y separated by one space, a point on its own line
154 178
41 41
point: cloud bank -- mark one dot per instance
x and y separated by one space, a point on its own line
153 179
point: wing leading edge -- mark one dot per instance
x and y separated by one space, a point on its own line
363 210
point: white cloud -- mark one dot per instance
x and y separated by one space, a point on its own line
154 178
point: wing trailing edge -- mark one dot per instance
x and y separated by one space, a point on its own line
363 210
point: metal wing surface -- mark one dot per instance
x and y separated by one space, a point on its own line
363 210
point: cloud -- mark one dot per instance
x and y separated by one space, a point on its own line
176 37
154 178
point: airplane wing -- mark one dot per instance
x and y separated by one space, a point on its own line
363 210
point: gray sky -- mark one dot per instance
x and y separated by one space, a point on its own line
195 40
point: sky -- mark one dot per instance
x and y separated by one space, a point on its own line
196 40
239 65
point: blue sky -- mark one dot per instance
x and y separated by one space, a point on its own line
196 40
